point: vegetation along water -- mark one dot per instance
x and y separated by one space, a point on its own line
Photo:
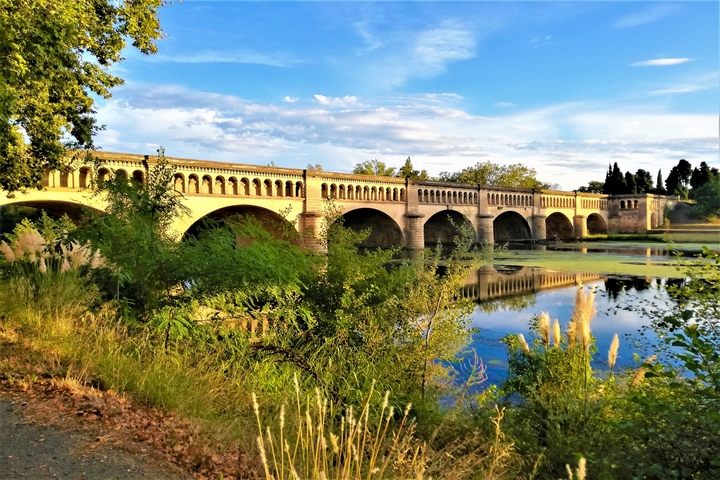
355 365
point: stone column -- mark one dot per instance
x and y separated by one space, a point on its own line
414 233
538 227
312 225
485 232
580 225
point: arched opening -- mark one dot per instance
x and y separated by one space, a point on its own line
510 226
193 185
13 213
206 185
219 185
65 177
272 222
288 189
444 227
84 175
279 188
232 186
558 225
384 232
596 224
138 176
179 183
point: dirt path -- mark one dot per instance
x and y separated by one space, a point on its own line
37 452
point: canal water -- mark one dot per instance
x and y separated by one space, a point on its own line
508 297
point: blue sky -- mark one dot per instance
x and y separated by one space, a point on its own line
562 87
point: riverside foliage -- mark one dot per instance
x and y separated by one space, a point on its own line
293 354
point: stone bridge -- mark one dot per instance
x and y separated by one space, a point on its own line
400 212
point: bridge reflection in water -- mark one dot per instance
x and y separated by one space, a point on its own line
492 282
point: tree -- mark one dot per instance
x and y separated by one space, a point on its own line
700 176
678 180
592 187
643 181
615 181
660 186
408 171
630 184
488 173
708 197
55 56
374 167
317 167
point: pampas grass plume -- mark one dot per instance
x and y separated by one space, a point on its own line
523 343
557 335
544 327
7 251
612 353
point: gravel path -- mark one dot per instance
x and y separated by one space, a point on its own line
30 451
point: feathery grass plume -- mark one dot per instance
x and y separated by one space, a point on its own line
612 353
78 255
43 265
640 373
523 343
557 335
97 260
7 251
580 471
582 315
544 327
65 266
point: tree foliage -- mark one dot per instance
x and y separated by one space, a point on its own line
55 56
408 171
592 187
487 173
374 167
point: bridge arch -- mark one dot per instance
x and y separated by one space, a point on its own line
596 224
443 227
510 226
384 230
272 222
76 211
558 225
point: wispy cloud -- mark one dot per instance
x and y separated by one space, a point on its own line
240 57
568 143
505 104
645 16
661 62
289 99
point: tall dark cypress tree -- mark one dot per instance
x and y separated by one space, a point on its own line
660 186
630 183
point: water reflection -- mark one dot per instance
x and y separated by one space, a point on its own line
508 299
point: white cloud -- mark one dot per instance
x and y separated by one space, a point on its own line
661 62
568 143
679 89
648 15
437 47
289 99
345 101
241 57
505 104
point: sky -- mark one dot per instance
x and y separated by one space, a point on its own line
565 88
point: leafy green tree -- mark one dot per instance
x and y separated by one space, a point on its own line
678 181
643 181
488 173
592 187
55 57
408 171
708 197
374 167
700 176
